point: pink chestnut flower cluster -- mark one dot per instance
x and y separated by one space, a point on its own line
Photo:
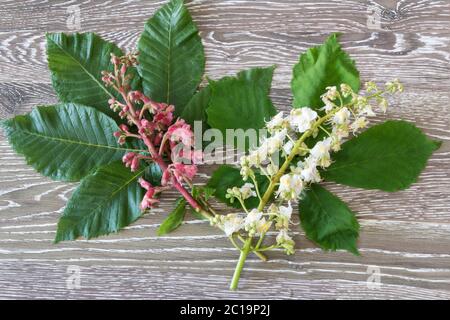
170 141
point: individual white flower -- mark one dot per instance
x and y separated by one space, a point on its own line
283 236
332 93
328 98
341 132
285 241
276 122
286 211
285 184
291 186
283 216
287 148
275 142
363 107
335 142
346 90
244 161
246 172
328 105
262 226
232 223
321 152
297 184
309 172
247 191
324 162
367 110
321 149
301 119
262 153
342 116
254 159
359 123
252 217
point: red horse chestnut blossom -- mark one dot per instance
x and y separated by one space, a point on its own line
170 142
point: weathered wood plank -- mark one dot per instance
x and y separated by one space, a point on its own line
244 15
405 234
410 57
413 264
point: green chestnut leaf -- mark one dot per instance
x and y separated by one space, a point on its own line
105 202
171 57
76 62
328 221
66 141
241 102
389 157
320 67
174 219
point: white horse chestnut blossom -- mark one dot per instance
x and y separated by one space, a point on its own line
299 146
301 119
345 113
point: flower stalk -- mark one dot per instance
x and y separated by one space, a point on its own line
240 265
291 184
268 194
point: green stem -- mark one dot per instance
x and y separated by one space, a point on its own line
325 130
269 248
240 265
255 183
258 254
287 162
242 204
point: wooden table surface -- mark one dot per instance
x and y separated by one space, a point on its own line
405 235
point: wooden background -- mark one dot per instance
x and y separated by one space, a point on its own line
405 234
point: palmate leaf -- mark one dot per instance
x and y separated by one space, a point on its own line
171 56
174 219
76 62
388 156
320 67
241 102
64 142
328 221
105 202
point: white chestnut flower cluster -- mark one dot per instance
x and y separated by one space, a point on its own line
256 223
304 139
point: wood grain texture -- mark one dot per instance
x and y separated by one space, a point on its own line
405 234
